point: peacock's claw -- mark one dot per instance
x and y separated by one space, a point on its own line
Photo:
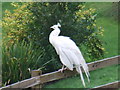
62 69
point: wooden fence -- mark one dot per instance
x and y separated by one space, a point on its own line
111 86
38 78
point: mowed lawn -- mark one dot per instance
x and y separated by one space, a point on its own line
97 77
110 41
106 19
110 37
106 14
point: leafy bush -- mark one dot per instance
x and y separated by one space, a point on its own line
76 21
15 25
17 60
32 21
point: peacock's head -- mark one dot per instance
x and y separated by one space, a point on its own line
55 26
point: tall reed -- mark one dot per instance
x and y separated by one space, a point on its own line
17 60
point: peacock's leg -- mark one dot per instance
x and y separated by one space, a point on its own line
63 68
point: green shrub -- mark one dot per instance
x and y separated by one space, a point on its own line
32 22
77 23
17 60
15 24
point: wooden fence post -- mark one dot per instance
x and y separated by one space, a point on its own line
35 73
0 83
37 80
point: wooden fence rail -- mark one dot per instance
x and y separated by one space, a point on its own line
111 86
44 78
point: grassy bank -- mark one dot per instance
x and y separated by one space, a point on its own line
98 77
107 20
110 36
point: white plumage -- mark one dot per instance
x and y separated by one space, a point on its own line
68 52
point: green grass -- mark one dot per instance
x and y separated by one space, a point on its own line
110 38
104 9
107 19
0 45
7 6
98 77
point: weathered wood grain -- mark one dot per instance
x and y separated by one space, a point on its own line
23 84
44 78
103 63
109 86
67 73
35 73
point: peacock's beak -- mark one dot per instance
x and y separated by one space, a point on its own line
51 27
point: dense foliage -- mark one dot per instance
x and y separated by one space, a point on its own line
77 23
31 22
15 25
18 60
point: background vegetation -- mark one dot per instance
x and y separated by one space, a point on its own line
30 23
96 79
108 19
18 60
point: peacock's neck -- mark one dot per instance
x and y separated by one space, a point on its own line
54 34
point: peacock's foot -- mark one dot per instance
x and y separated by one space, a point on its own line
62 69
